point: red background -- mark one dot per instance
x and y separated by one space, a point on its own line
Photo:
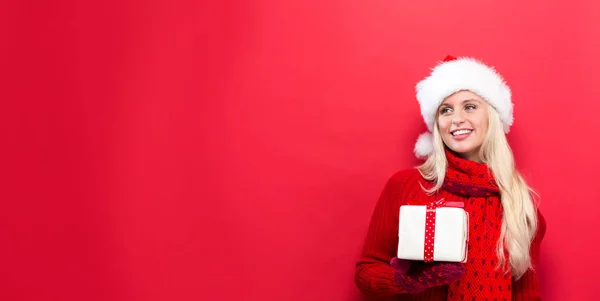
160 150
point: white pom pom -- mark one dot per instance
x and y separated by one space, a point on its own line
424 146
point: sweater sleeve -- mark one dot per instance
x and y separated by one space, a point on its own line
374 276
527 288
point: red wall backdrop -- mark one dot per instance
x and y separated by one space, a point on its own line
164 150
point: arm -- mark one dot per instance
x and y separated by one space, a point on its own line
527 288
374 275
379 273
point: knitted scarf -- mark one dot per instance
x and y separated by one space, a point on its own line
469 178
476 182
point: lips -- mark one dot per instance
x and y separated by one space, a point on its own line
461 132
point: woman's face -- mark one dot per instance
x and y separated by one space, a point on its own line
463 123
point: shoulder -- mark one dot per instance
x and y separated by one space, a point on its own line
541 226
541 220
406 186
407 177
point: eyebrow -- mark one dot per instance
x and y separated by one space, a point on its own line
462 102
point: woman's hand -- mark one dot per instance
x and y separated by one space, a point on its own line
417 276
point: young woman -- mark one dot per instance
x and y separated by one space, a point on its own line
468 110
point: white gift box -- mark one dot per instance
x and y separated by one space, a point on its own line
450 235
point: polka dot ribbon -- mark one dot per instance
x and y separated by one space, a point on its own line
430 225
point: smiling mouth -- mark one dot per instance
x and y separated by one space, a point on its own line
460 132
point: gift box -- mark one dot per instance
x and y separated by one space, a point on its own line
433 232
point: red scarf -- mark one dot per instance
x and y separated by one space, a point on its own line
476 182
469 178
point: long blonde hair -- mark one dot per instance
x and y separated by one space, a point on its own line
519 220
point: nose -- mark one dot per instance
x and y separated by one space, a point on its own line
458 117
457 120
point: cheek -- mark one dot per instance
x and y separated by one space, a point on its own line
443 125
480 120
482 126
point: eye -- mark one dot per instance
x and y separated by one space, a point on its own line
470 107
444 111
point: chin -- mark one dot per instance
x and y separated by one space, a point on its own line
463 150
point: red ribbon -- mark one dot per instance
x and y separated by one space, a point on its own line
430 225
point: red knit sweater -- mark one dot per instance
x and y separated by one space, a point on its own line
375 277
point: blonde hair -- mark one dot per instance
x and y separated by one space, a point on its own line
519 220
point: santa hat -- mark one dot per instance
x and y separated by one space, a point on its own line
453 75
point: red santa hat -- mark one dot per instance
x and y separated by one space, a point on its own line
453 75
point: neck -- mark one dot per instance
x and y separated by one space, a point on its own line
467 177
471 156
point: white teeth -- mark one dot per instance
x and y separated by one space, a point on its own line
461 132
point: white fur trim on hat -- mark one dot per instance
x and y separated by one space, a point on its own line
451 76
424 145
